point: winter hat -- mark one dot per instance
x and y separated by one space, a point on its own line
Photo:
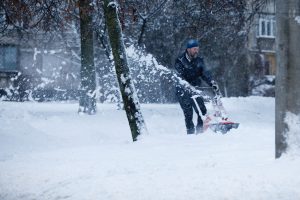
192 43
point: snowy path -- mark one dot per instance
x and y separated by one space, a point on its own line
49 152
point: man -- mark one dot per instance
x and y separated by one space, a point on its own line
191 68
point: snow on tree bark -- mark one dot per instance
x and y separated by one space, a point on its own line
287 75
130 99
87 101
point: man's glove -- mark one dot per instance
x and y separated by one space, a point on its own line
215 86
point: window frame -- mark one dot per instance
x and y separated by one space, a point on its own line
8 63
266 27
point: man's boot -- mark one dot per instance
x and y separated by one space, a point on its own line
190 131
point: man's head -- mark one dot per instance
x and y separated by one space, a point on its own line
192 48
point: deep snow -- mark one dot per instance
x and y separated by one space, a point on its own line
48 151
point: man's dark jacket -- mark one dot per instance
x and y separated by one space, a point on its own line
192 71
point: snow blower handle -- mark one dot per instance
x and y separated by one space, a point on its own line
194 97
217 103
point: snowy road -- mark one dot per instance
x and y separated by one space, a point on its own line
48 151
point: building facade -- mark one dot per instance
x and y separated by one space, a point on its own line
38 66
261 40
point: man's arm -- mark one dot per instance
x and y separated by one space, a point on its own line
179 68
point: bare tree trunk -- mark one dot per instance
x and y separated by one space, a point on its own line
131 103
142 32
87 102
288 73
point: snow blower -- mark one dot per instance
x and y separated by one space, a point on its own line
217 119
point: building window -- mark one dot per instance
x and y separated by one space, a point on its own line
266 27
8 57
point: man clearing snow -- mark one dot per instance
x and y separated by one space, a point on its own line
191 68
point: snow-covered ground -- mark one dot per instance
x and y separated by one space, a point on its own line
48 151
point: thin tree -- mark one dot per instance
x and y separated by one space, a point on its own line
146 11
131 103
87 102
288 73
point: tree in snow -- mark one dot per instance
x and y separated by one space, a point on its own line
221 27
159 26
87 102
140 11
287 76
130 99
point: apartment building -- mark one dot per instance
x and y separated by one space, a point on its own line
261 40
